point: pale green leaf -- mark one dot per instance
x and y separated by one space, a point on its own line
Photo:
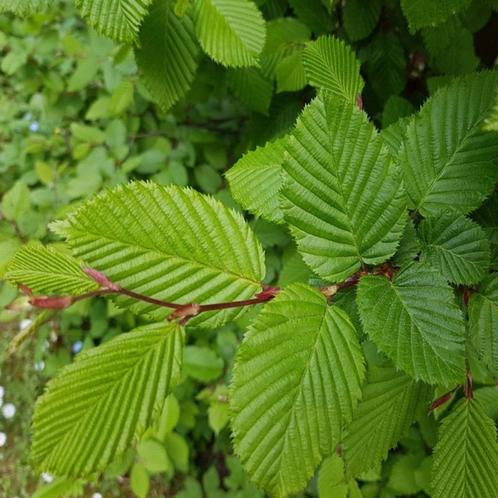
331 479
45 270
168 53
139 480
231 32
256 180
343 197
414 320
456 246
297 379
169 243
15 202
290 73
331 65
466 455
449 163
153 455
389 405
61 488
95 408
24 7
117 19
483 320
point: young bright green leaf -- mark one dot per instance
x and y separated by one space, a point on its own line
449 162
422 13
46 270
169 243
15 202
153 455
290 73
140 480
414 320
96 407
297 379
117 19
343 197
231 32
61 488
466 455
256 180
168 53
389 405
456 246
331 479
483 320
331 65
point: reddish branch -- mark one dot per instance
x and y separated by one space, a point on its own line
183 312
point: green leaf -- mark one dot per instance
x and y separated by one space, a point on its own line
456 246
388 407
296 381
449 163
202 363
168 53
122 97
140 480
331 65
466 455
331 480
483 320
290 73
96 407
414 320
256 180
153 455
342 197
423 13
88 134
251 88
16 201
117 19
168 243
46 270
360 17
24 7
60 488
409 246
231 32
178 451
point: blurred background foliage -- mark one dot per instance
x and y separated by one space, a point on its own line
75 117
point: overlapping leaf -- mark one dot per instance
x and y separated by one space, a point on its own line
389 405
423 13
256 180
296 382
414 320
96 407
449 162
169 243
466 455
456 246
46 270
231 32
251 88
168 53
360 17
24 7
331 65
342 195
483 320
117 19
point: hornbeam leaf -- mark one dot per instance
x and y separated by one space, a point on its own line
117 19
423 13
169 243
24 7
168 53
342 195
466 455
483 320
95 408
448 161
331 65
389 405
46 270
231 32
296 382
256 180
414 320
456 246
